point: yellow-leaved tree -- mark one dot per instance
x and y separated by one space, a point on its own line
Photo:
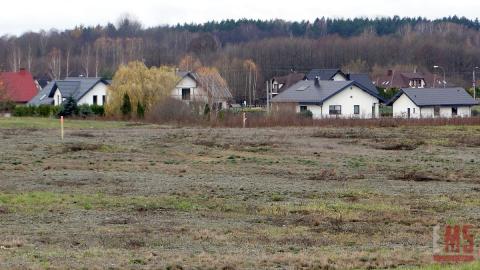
144 87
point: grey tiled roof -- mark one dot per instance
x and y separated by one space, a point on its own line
308 92
364 80
436 96
43 96
323 74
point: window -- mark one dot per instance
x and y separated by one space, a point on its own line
303 108
95 100
104 99
454 111
413 110
436 111
185 93
356 109
335 110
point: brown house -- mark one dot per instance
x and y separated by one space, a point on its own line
283 82
395 79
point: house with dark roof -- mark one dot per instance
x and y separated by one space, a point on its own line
329 98
281 83
432 103
193 87
329 74
339 75
19 86
394 79
91 91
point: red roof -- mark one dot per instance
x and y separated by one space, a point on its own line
19 85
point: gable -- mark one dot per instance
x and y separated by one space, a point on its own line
352 94
187 82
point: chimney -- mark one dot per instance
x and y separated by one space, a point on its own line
317 81
389 72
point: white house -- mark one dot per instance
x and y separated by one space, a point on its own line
343 99
194 87
91 91
432 103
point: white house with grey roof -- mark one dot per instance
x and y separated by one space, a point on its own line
91 91
432 103
325 99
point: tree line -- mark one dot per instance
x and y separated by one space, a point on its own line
247 52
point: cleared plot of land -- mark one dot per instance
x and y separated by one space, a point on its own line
117 195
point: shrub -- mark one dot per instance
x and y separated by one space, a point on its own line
7 106
307 114
44 110
206 111
172 110
55 110
98 110
388 93
69 108
126 105
24 111
84 110
140 110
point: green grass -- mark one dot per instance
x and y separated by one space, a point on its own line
37 201
472 266
52 123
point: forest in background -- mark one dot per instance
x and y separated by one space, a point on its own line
247 52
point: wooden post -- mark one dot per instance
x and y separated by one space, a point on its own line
61 126
244 119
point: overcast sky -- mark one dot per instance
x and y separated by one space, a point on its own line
19 16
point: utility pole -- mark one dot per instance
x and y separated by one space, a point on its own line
268 96
474 84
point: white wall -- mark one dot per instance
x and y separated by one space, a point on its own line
57 98
427 112
350 97
401 105
99 90
465 111
338 77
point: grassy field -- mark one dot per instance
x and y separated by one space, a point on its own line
120 195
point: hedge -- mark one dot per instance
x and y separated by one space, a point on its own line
50 110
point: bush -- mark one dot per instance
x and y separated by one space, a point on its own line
307 114
98 110
24 111
172 110
44 110
126 105
388 93
69 108
55 110
140 110
85 110
7 106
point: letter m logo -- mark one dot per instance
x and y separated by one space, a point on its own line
452 239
